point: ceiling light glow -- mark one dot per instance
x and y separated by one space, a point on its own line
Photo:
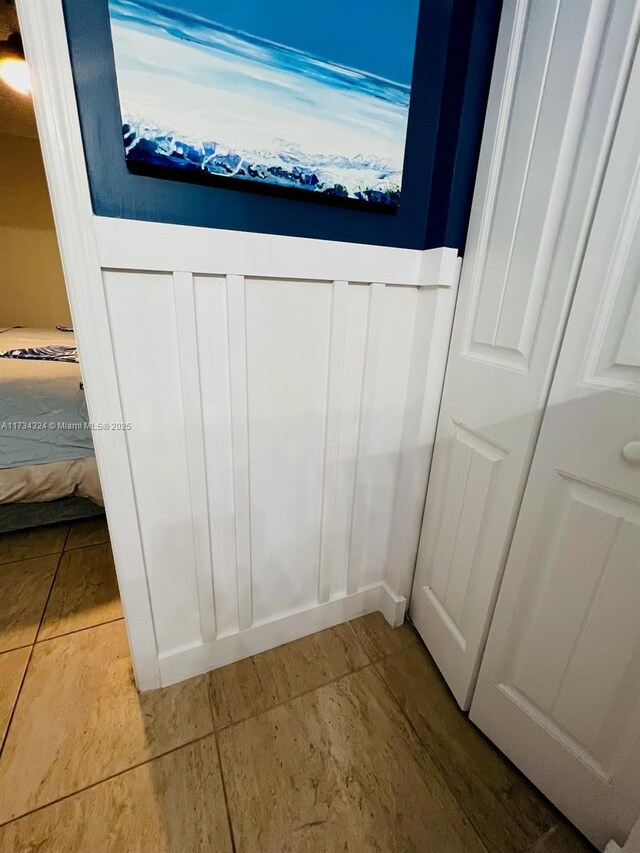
15 73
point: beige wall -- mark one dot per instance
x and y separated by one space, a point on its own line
32 289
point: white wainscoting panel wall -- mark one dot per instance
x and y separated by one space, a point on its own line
280 434
282 396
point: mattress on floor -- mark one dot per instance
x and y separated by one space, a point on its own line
51 481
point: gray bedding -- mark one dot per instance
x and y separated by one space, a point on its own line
43 413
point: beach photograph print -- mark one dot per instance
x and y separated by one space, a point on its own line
286 93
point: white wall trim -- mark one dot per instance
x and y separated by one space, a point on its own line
236 308
179 664
44 35
369 416
392 605
426 379
185 310
130 244
330 480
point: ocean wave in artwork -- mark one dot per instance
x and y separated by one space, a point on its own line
340 177
200 98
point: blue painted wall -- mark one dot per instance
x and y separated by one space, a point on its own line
454 55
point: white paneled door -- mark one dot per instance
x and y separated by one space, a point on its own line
559 686
559 79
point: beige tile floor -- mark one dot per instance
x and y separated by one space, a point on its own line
347 740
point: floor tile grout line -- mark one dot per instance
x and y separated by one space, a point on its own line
85 545
225 795
361 644
441 776
89 544
222 780
33 557
108 778
370 662
53 583
39 642
293 696
33 645
16 648
30 559
396 702
49 594
15 701
37 556
375 659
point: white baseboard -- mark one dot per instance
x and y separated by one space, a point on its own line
393 607
180 664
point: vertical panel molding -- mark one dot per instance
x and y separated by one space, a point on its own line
237 319
361 495
332 437
434 317
191 396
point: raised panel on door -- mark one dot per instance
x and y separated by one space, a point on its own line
458 526
559 686
558 82
560 662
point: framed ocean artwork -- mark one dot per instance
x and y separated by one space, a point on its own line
290 95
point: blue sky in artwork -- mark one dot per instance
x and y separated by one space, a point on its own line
377 36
